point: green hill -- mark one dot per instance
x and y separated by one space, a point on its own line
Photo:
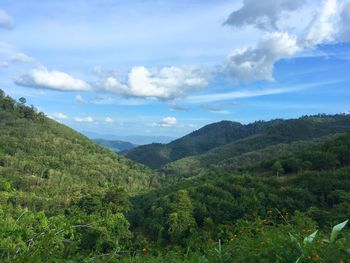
217 145
63 198
51 164
244 208
213 135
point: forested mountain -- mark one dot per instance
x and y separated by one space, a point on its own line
63 198
115 145
252 211
217 144
50 164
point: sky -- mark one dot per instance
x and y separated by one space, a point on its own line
166 68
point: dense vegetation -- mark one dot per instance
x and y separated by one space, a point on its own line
214 146
63 198
117 146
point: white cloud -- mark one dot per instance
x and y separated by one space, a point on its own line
55 80
258 63
58 116
343 33
329 24
253 93
166 122
165 83
109 120
84 119
5 20
20 57
322 27
262 14
80 99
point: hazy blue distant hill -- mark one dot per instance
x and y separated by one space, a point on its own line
134 139
117 146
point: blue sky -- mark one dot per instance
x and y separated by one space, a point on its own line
161 67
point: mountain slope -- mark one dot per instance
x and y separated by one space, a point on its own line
222 141
213 135
51 164
223 198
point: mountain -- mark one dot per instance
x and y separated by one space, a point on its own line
63 198
313 184
117 146
134 139
55 163
217 143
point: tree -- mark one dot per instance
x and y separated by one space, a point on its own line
277 168
181 217
116 199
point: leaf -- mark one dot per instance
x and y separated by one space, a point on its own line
347 250
336 230
310 238
296 242
298 260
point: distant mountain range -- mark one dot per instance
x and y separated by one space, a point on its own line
117 146
133 139
223 145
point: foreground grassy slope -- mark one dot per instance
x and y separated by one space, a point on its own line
51 164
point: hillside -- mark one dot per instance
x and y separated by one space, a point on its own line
213 135
51 164
63 198
115 145
218 143
245 211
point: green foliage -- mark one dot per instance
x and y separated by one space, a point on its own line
219 146
277 168
65 199
181 217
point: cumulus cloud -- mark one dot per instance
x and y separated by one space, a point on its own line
165 83
20 57
80 99
257 63
344 26
262 14
6 21
109 120
58 116
166 122
55 80
330 24
322 27
84 119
